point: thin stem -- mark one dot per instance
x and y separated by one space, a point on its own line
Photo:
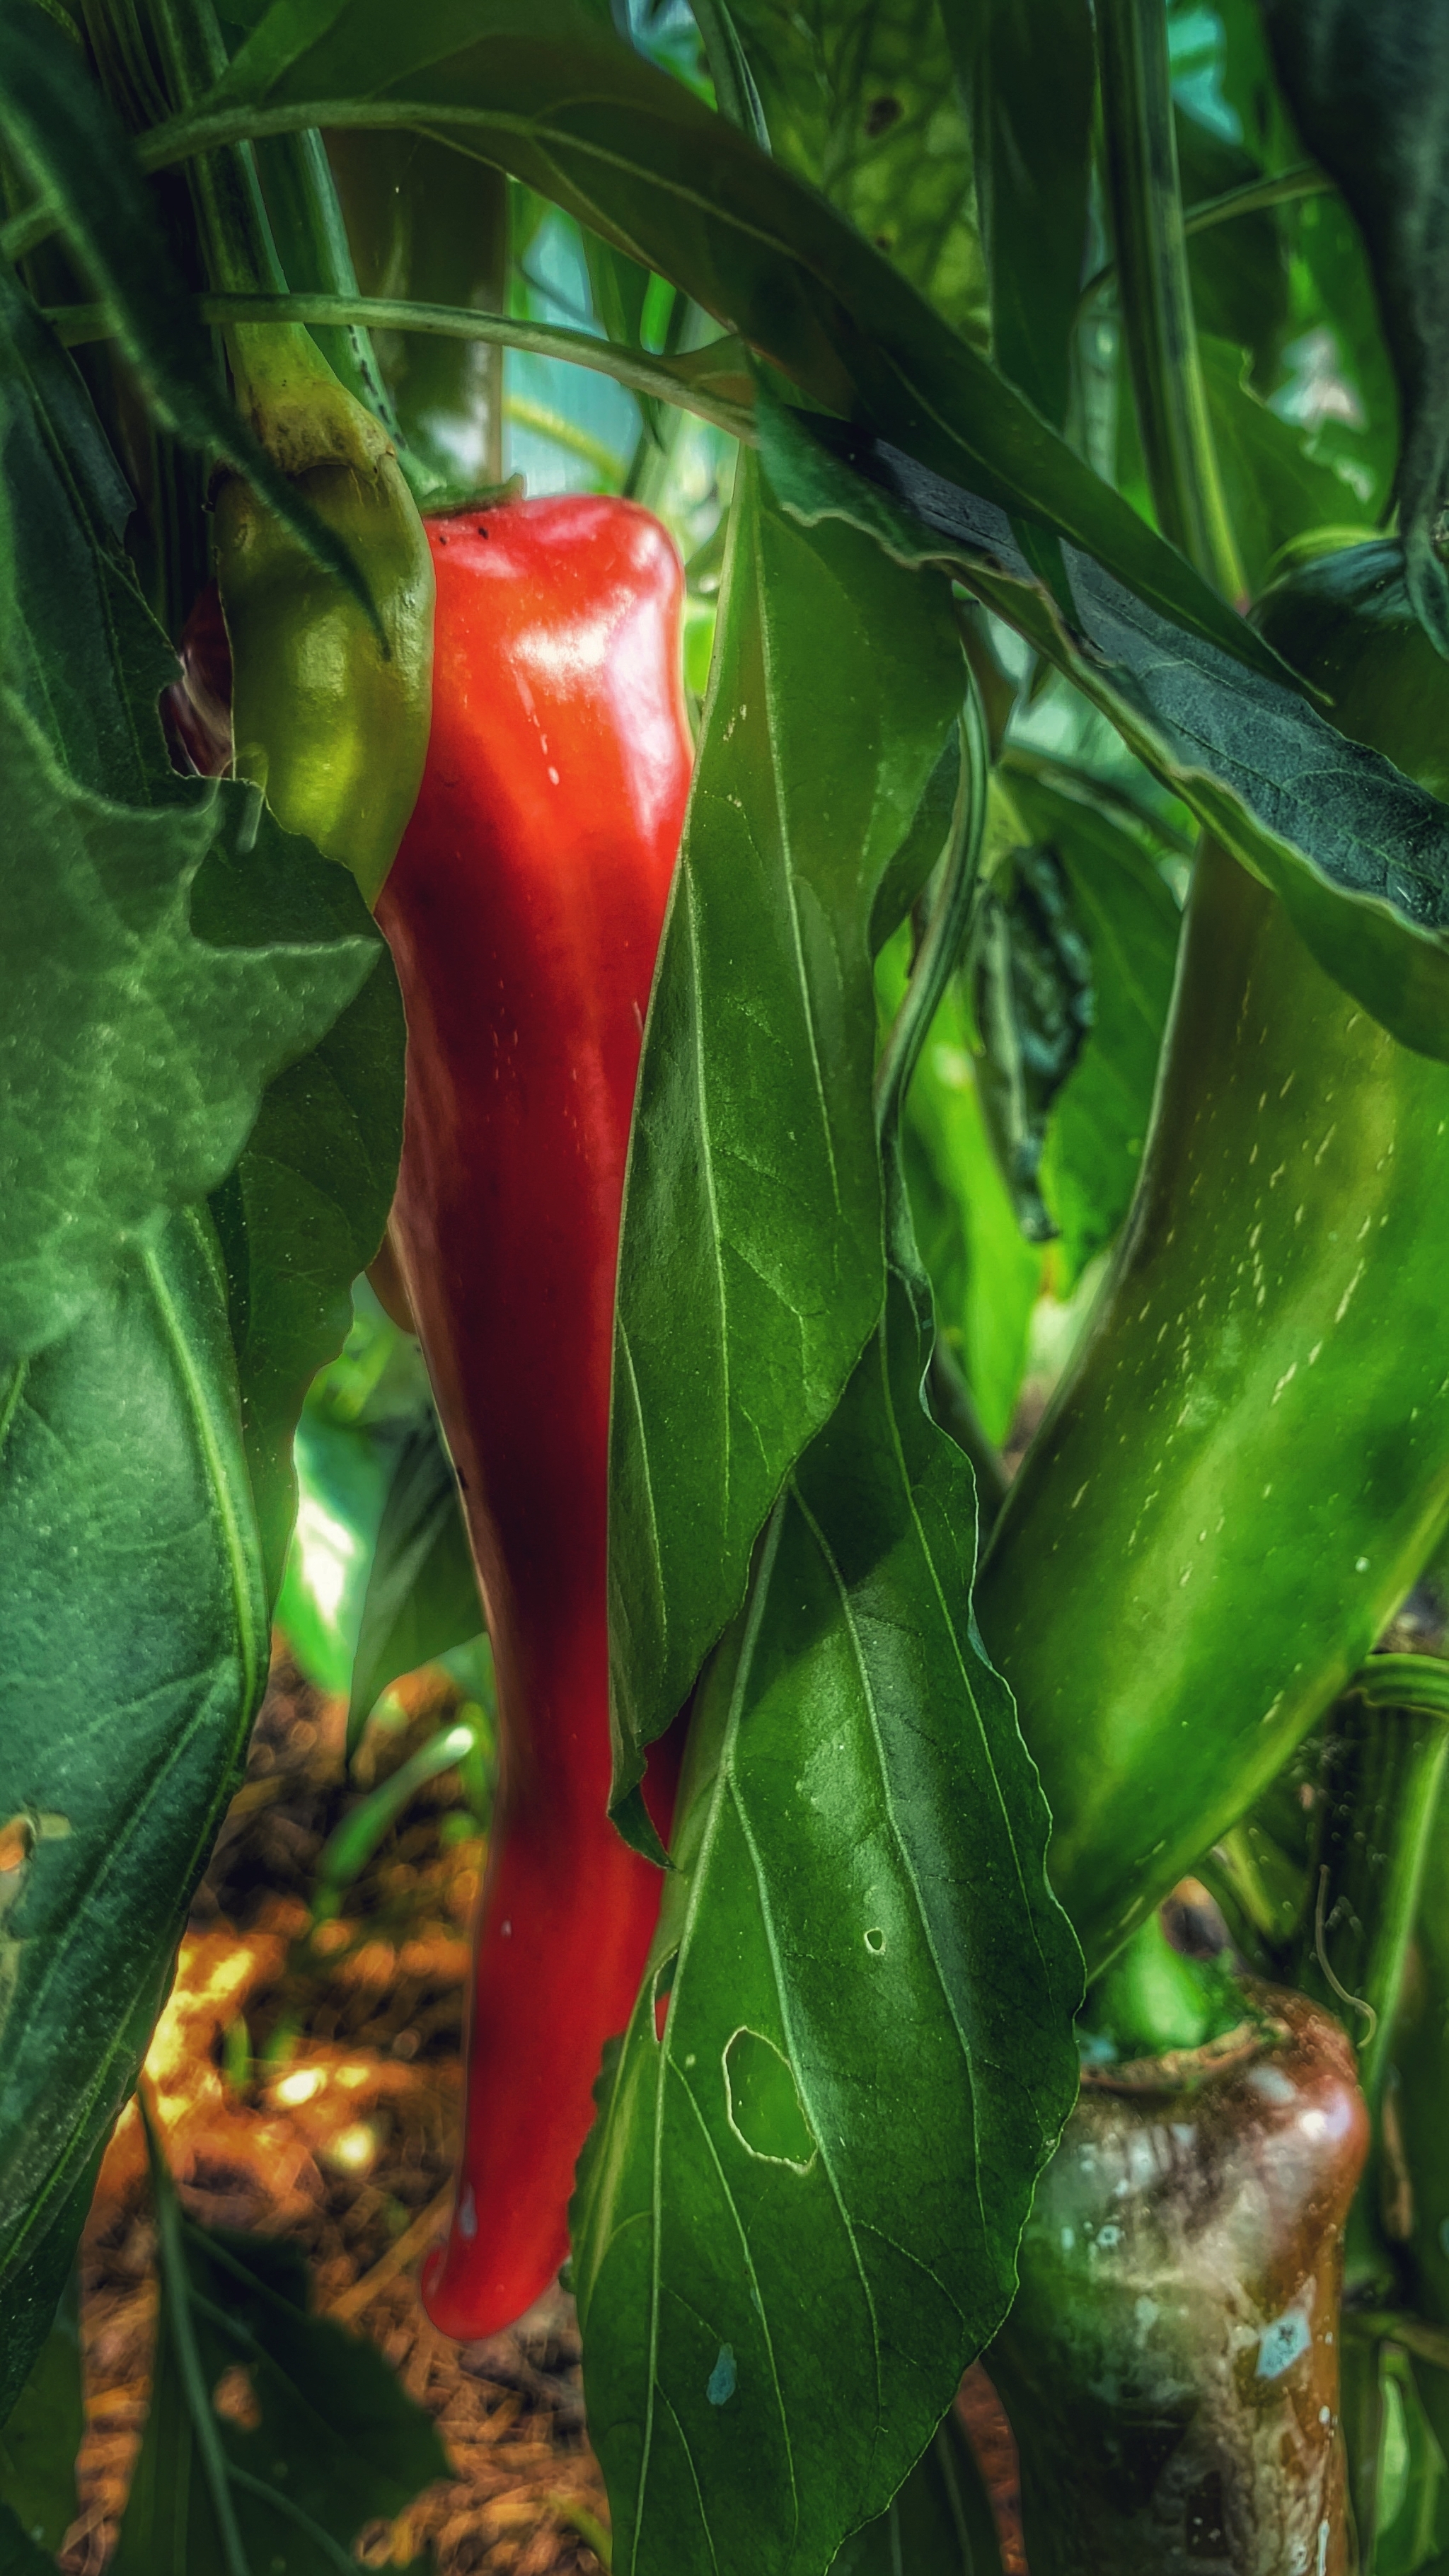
199 2407
940 948
673 381
236 237
1251 197
1145 196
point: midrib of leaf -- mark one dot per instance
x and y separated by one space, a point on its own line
773 699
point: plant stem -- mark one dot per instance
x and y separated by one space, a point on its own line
175 2292
1388 1759
236 237
1152 2000
1145 197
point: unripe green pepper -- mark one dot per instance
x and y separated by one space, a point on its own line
330 712
1248 1463
1171 2363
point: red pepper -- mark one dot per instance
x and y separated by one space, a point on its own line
524 912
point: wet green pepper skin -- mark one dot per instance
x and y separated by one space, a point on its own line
333 730
1249 1461
1171 2364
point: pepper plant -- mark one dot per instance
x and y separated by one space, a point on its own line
1038 1879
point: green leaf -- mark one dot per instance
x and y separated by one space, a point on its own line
32 2293
1359 855
132 1615
751 1265
541 89
135 1053
79 645
797 2217
19 2554
43 2431
1368 82
1276 482
422 1591
940 2524
1029 67
335 2443
304 1209
66 137
860 99
1032 1002
1098 1123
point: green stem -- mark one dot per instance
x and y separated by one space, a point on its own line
312 247
1145 197
174 2290
1253 197
236 237
940 949
1388 1756
683 382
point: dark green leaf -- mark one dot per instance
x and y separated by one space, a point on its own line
860 99
1368 81
19 2554
1359 855
798 2215
940 2524
80 647
751 1263
1030 71
137 1092
42 2433
1032 992
336 2442
303 1210
132 1614
1239 270
31 2295
65 136
422 1591
1098 1122
538 87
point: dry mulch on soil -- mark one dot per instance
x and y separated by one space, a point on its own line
311 2088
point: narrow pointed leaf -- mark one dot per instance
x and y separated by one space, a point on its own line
422 1590
751 1268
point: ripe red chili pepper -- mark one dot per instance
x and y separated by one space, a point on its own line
524 911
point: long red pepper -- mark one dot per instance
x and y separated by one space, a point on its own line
524 913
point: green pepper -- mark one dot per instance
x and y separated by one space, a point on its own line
330 711
1248 1462
1171 2363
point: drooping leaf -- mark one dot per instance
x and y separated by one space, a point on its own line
42 2432
1097 1126
31 2293
940 2523
860 100
135 1053
751 1266
422 1590
318 2439
542 89
1029 69
1239 270
1368 81
797 2217
132 1614
1277 483
1359 855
